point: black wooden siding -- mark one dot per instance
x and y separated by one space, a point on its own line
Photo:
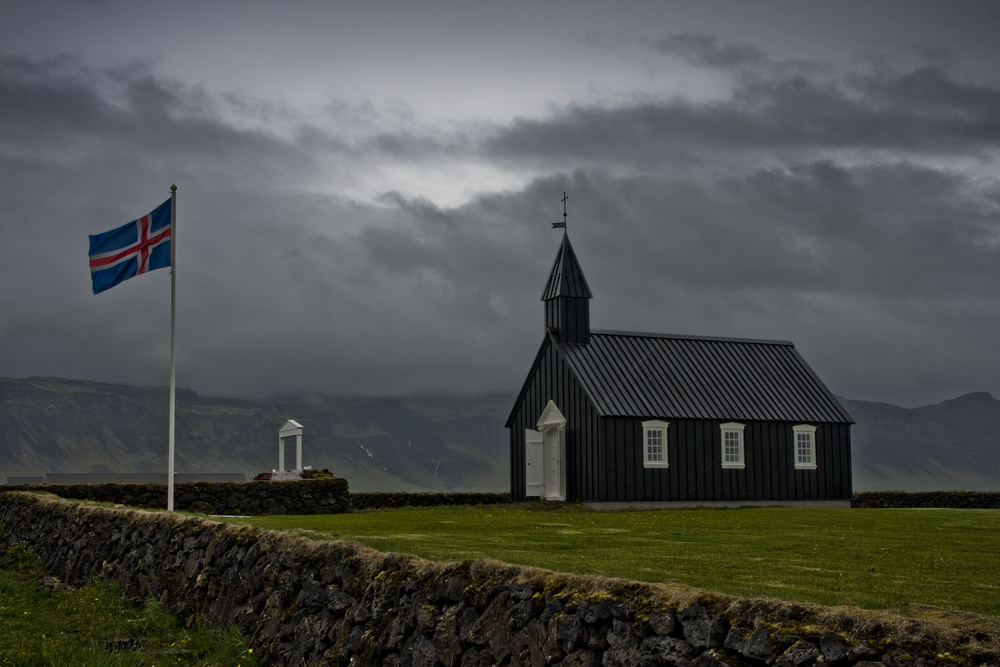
550 379
695 469
570 318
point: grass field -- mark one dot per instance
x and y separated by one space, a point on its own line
96 626
877 559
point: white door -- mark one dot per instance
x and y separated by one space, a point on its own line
552 425
554 477
534 463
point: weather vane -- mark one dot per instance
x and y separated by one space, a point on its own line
562 225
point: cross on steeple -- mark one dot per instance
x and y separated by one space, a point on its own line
562 225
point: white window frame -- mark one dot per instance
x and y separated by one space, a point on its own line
737 428
648 427
804 429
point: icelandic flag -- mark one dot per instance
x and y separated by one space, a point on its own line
132 249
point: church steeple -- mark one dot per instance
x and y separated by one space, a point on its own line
566 297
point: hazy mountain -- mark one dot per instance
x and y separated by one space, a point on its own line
954 445
415 443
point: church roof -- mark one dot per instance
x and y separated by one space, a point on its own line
659 375
629 374
566 278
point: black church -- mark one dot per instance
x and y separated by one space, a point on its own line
620 416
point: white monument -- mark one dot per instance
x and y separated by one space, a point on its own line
290 428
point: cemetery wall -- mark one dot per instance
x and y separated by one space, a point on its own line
304 496
339 603
372 500
331 496
942 499
313 496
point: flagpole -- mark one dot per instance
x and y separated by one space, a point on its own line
173 375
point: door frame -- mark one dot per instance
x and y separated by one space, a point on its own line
552 426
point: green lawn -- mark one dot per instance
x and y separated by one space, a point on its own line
876 559
96 626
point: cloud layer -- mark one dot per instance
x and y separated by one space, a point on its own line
854 212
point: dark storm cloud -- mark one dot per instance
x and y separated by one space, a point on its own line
64 112
888 230
818 208
882 295
707 50
915 110
856 214
279 287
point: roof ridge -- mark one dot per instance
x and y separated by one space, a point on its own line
716 339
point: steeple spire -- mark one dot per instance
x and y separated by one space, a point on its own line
566 295
566 278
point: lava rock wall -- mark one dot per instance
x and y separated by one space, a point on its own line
371 500
303 602
314 496
945 499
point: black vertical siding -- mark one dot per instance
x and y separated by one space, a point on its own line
703 454
552 380
552 319
603 488
570 318
695 472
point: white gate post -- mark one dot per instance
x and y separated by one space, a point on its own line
288 429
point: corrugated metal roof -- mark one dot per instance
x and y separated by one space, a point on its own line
566 278
631 374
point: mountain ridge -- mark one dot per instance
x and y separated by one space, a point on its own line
952 445
428 442
391 444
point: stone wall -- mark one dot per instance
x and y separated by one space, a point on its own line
944 499
314 496
380 500
331 496
339 603
304 496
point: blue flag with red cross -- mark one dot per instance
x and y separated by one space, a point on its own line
130 250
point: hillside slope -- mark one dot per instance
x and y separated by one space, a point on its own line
416 443
424 443
953 445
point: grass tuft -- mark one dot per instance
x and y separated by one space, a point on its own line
48 624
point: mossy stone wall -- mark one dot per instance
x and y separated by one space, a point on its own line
339 603
313 496
331 496
304 496
945 499
371 500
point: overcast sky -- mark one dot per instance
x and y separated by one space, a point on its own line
365 189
